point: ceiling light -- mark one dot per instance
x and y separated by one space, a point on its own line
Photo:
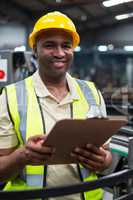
128 48
58 1
110 47
124 16
110 3
102 48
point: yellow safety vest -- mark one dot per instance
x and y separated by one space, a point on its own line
24 110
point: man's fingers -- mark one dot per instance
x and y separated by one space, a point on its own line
96 150
91 153
88 163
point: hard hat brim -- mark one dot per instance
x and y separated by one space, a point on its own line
33 36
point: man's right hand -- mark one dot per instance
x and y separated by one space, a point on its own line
34 152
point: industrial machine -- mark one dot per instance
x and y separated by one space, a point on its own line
15 66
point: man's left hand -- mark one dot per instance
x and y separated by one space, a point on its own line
92 157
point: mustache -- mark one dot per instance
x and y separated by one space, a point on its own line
56 59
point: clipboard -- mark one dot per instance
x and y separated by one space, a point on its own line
70 133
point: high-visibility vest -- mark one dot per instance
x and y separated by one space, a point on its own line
26 114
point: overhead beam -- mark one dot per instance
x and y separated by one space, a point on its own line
97 20
106 26
67 4
15 12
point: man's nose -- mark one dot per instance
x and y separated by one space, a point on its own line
59 51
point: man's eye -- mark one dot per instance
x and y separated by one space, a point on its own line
69 46
48 45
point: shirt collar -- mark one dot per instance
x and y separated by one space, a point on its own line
42 91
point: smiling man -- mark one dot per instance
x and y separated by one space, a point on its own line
35 104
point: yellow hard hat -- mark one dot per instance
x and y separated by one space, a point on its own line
54 20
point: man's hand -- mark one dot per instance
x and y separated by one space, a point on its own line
92 157
35 152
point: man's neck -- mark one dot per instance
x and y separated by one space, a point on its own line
57 87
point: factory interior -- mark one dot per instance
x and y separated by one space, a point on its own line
104 56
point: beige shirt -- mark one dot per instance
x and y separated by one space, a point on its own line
53 111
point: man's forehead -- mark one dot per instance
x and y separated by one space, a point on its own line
55 33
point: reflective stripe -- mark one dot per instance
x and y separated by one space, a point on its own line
87 92
21 91
35 180
94 111
84 172
22 107
94 108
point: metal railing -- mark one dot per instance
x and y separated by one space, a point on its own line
109 180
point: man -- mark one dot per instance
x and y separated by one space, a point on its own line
37 103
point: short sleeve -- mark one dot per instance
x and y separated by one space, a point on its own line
8 136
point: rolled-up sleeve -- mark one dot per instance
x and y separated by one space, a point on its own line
8 136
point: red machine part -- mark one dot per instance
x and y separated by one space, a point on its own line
2 74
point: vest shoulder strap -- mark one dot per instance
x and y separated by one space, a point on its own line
90 92
13 98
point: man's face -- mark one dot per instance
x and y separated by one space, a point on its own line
54 53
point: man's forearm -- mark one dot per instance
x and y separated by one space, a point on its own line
11 165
